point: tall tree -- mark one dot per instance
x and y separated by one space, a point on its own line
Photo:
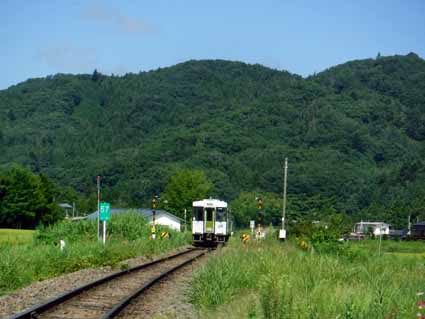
27 199
23 198
184 187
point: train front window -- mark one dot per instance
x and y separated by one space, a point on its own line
210 212
198 213
220 214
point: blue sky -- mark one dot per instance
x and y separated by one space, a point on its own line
38 38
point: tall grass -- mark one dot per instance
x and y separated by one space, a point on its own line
128 237
286 282
15 236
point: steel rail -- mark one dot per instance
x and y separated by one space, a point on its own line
34 311
124 303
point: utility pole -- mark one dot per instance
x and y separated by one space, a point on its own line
98 207
282 232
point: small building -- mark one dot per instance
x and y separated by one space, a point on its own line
417 231
67 208
162 217
376 228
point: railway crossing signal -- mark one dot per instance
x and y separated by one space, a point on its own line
154 202
153 231
260 203
260 218
154 205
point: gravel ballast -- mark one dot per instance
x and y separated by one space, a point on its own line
42 291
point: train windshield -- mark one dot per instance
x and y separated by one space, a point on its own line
210 212
198 213
220 214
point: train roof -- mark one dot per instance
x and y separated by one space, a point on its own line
210 202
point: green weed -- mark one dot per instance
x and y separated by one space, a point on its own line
128 237
15 236
350 282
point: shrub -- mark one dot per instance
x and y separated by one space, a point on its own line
291 283
128 236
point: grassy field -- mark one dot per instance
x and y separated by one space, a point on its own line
15 236
40 258
281 280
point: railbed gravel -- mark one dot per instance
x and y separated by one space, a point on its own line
168 299
39 292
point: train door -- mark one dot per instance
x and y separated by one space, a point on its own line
198 220
209 219
220 220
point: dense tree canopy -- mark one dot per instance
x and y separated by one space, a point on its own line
27 199
354 134
184 187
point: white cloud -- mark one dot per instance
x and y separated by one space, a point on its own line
115 18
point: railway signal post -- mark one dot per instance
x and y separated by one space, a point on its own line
154 205
260 218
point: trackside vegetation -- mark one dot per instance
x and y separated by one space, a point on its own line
42 258
29 199
288 280
15 236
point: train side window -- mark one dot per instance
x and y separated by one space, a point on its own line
198 213
220 214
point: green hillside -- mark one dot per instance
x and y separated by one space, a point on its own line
354 134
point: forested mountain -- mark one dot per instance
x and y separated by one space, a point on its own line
354 134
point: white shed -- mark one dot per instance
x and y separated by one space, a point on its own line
166 219
162 217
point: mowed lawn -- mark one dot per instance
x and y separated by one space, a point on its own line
15 236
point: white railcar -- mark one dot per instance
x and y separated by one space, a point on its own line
211 222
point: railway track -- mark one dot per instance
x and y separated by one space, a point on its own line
107 297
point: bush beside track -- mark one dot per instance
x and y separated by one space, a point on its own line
15 236
282 280
41 259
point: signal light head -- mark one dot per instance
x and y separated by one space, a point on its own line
154 203
260 203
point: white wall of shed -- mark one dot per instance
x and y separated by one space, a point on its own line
166 221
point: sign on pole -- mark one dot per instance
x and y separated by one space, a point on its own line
105 215
105 211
